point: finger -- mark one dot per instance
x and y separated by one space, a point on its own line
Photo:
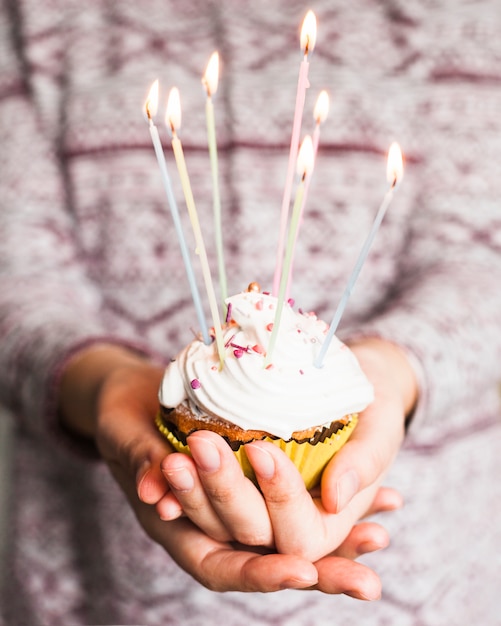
363 538
126 434
386 499
285 495
301 525
182 476
338 575
245 571
214 564
236 500
168 508
364 459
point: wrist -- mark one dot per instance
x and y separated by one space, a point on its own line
82 380
391 362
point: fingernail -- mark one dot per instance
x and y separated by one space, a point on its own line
369 597
262 463
142 471
298 583
180 479
347 487
205 454
369 546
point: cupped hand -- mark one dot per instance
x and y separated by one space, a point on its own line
366 457
132 447
213 492
117 401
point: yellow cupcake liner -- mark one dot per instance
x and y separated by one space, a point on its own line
310 459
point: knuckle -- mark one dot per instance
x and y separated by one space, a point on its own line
252 537
280 498
219 494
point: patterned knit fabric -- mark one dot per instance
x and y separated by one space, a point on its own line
88 252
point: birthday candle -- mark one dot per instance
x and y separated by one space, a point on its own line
320 113
394 174
150 109
173 121
305 162
210 81
307 42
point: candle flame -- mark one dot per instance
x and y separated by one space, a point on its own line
308 33
151 104
211 76
173 112
395 166
305 157
321 110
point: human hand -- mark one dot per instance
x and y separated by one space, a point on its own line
366 457
123 392
132 447
213 492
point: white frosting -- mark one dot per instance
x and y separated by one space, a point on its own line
290 395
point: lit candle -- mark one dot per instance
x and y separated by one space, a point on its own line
307 42
320 113
173 121
394 174
150 109
210 81
305 163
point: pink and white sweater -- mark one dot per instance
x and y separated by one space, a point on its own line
88 251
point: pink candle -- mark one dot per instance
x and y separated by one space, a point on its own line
307 41
319 115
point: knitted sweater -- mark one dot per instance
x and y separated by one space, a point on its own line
88 252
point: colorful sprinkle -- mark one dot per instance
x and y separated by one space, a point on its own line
214 368
228 313
301 372
238 352
259 305
269 327
235 345
291 301
195 384
270 366
259 349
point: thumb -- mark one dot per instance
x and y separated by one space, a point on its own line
365 458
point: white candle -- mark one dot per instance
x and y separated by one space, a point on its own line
394 174
305 163
210 81
173 121
150 109
307 42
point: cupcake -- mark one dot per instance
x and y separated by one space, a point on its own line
309 412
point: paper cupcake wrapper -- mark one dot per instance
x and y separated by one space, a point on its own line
310 459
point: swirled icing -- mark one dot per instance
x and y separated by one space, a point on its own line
291 394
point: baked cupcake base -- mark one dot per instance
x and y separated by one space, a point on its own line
309 451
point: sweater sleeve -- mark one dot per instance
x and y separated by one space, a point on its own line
48 306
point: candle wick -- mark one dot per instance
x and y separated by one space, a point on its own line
207 88
148 113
